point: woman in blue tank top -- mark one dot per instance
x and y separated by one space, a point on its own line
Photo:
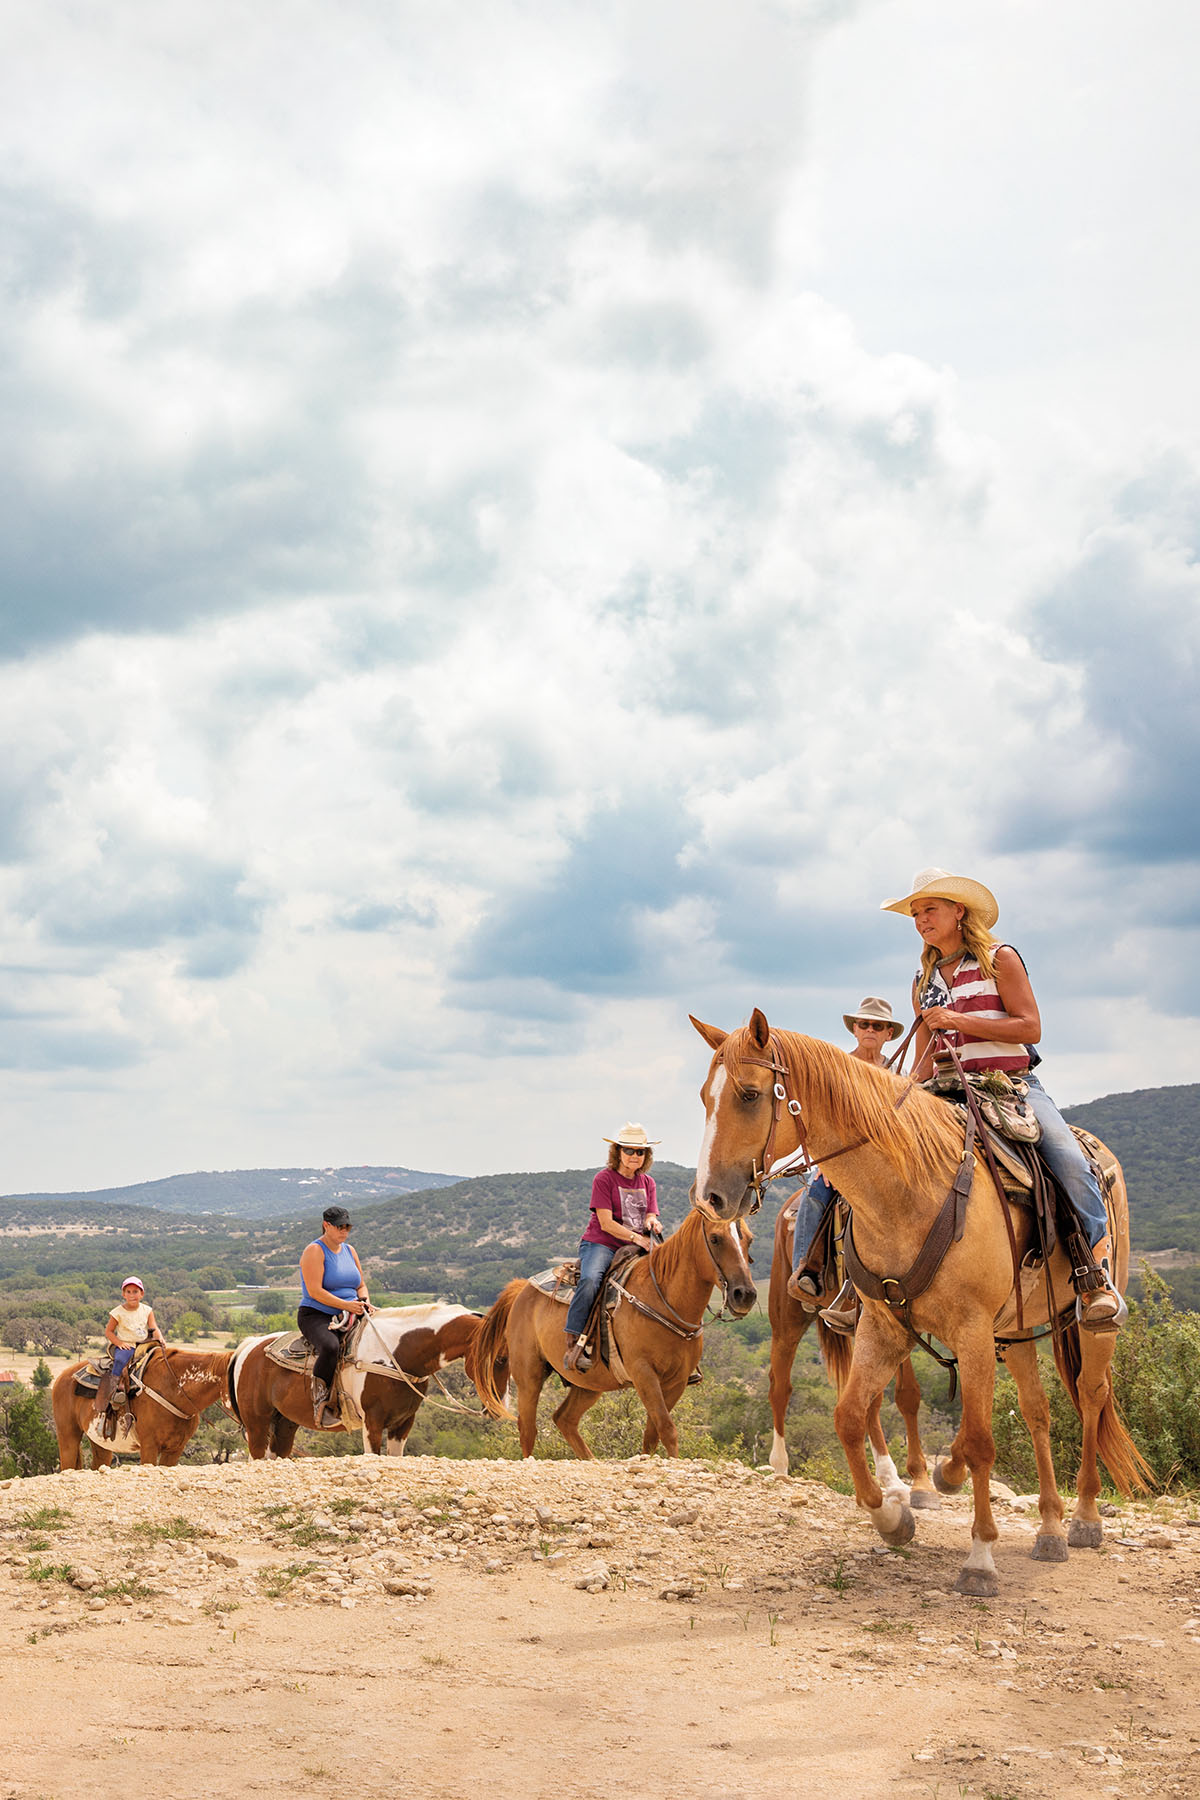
331 1282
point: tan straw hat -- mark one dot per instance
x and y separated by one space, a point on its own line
633 1137
874 1012
939 884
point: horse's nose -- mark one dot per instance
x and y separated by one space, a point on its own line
742 1298
718 1205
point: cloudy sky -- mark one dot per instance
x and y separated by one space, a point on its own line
519 522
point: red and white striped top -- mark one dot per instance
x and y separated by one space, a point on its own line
971 991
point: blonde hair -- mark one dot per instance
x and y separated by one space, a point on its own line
614 1157
978 941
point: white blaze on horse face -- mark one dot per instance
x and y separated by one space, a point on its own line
710 1132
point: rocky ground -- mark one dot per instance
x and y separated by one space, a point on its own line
432 1628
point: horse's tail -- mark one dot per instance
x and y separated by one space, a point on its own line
491 1348
837 1353
1118 1452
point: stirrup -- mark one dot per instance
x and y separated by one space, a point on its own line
842 1316
577 1358
1111 1319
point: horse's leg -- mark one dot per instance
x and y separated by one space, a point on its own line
786 1331
886 1472
1095 1392
1050 1544
282 1435
258 1433
567 1417
974 1450
922 1494
878 1347
528 1369
70 1439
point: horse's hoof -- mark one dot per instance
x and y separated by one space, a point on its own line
1085 1534
941 1484
903 1532
923 1500
977 1584
1049 1547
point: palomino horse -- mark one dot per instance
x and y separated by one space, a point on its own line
656 1334
177 1386
895 1165
385 1382
789 1322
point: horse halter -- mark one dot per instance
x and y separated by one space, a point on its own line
759 1177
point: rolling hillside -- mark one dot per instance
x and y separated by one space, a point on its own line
257 1193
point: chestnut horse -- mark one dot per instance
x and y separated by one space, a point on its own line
789 1322
175 1383
656 1333
895 1165
385 1381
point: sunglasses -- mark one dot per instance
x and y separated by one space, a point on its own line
871 1025
626 1151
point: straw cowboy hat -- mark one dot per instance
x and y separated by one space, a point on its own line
633 1137
874 1012
939 884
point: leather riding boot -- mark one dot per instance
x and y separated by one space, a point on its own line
1098 1306
577 1356
842 1316
320 1395
803 1287
104 1394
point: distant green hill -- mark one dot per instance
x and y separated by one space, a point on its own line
259 1193
1156 1134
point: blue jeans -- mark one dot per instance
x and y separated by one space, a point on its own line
809 1213
122 1356
1067 1162
593 1265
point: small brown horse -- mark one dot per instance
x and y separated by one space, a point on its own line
174 1381
405 1344
789 1322
895 1165
656 1333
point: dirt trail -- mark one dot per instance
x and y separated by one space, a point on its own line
432 1628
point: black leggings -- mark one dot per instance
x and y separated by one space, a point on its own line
315 1327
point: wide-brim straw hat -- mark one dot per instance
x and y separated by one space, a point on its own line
633 1137
876 1011
940 884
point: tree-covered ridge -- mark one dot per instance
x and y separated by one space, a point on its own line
1156 1134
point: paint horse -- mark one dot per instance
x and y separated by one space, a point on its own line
656 1330
897 1165
177 1386
384 1382
789 1322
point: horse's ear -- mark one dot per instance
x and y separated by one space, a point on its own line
713 1036
760 1031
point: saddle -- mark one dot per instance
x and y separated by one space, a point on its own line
98 1372
291 1350
560 1282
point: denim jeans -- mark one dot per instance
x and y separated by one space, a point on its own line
593 1264
122 1356
1060 1148
809 1213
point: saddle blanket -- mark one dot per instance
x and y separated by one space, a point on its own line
560 1282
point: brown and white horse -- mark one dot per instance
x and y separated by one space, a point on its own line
789 1322
385 1382
895 1165
656 1334
175 1383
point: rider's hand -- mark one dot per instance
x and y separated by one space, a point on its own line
940 1018
355 1308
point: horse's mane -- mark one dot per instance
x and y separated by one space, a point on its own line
923 1138
673 1249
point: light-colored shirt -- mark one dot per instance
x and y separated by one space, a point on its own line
132 1327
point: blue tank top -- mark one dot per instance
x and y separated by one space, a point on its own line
341 1278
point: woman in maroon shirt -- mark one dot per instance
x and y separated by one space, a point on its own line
624 1211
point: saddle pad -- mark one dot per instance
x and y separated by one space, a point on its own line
557 1283
291 1350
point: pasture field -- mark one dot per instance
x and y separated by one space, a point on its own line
694 1630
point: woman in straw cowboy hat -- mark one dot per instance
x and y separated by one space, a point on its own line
624 1210
974 993
872 1026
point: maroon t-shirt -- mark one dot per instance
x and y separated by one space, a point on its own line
629 1202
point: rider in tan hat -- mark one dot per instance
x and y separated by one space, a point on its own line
624 1210
973 992
872 1026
